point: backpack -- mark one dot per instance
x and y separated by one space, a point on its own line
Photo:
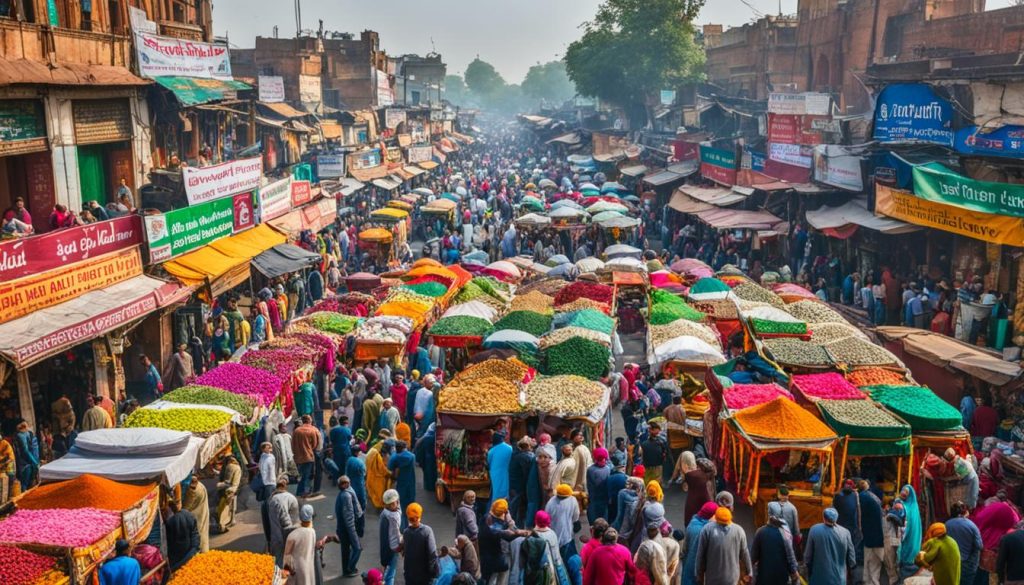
534 553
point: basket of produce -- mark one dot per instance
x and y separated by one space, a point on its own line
535 324
22 567
814 312
825 386
228 568
917 405
740 396
491 395
774 321
566 396
877 377
853 351
871 430
796 353
577 356
749 291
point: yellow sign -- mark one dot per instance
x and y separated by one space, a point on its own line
904 205
25 295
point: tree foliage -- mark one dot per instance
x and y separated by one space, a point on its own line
455 89
483 79
549 82
634 48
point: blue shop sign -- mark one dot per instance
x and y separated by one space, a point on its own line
1007 141
913 112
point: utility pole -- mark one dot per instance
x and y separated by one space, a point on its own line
298 18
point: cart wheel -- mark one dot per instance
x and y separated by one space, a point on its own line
441 492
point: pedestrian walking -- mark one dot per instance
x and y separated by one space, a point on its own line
771 552
872 534
564 511
300 550
829 553
722 555
348 512
611 563
941 556
390 535
419 549
968 540
228 483
182 536
597 486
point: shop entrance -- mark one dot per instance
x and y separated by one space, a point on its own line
29 176
101 168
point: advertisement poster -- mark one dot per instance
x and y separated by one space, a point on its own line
937 183
1005 141
190 228
57 249
330 165
302 193
835 166
275 199
393 117
203 184
791 129
271 88
166 56
913 112
366 159
904 205
791 154
800 104
718 165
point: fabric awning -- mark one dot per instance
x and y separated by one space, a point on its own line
283 110
943 351
570 138
428 165
343 187
610 156
284 258
683 203
312 216
387 183
209 265
191 91
169 469
856 212
738 219
413 170
633 171
367 175
717 196
658 177
46 332
251 243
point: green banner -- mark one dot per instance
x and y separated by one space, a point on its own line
189 228
937 183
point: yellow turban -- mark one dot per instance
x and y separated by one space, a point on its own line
723 515
414 511
654 491
936 530
563 490
499 507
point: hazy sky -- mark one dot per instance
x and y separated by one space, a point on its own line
510 34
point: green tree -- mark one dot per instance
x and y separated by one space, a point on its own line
455 89
549 83
634 48
483 79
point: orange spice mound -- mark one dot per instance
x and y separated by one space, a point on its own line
85 491
782 419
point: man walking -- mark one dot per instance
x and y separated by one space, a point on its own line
305 443
829 554
419 549
871 531
722 555
227 492
390 531
518 476
968 539
347 511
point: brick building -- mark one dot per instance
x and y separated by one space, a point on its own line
754 59
298 61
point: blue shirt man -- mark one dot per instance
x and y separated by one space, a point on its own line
499 458
403 470
122 569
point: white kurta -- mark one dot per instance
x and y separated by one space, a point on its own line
299 554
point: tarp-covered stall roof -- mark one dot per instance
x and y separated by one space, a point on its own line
947 352
284 258
737 219
856 212
169 467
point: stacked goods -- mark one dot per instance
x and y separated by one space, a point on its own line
85 491
461 326
226 568
740 396
585 290
854 351
545 286
564 395
384 330
578 356
749 291
876 377
535 324
814 312
792 293
566 333
493 287
480 395
194 394
579 304
665 313
662 333
782 419
65 528
327 305
860 413
796 352
402 302
744 305
586 318
535 301
428 288
198 421
21 567
512 370
717 309
283 363
917 405
660 296
259 385
827 386
333 322
774 321
472 292
357 304
829 332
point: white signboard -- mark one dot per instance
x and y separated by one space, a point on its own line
140 21
393 117
271 88
276 199
330 165
791 154
209 183
165 56
800 104
385 97
310 89
418 154
835 166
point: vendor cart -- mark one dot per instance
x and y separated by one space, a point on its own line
461 447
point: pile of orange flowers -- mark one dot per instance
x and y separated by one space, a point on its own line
875 377
225 568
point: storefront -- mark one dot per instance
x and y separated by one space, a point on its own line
26 168
103 134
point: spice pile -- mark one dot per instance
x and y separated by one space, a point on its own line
334 322
226 568
814 312
282 363
535 324
876 377
585 290
85 491
193 394
663 333
579 304
796 352
64 528
752 292
566 333
482 395
578 356
21 567
564 395
829 332
429 288
512 370
766 327
535 301
859 413
782 419
917 405
245 380
586 318
857 352
198 421
827 386
740 396
665 313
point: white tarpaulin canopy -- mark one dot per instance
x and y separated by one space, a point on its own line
169 469
687 349
856 212
717 196
472 309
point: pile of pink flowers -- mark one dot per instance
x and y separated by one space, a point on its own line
324 345
329 305
740 396
66 528
242 379
21 567
280 362
828 386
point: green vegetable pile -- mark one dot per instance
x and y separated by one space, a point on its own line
195 394
533 323
659 296
859 413
492 286
578 356
917 405
665 313
333 322
470 291
586 318
461 326
762 326
198 421
428 288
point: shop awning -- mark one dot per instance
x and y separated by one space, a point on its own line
283 110
284 258
209 265
29 72
313 216
367 175
49 331
633 171
428 165
683 203
856 212
942 351
342 187
570 138
387 183
725 219
331 130
170 469
191 91
609 157
717 196
251 243
413 170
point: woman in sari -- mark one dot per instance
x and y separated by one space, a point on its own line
994 521
378 476
911 543
696 481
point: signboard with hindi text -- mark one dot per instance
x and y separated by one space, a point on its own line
937 183
718 165
165 56
905 206
203 184
183 230
23 257
271 88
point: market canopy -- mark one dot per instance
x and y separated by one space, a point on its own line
191 91
128 465
856 212
737 219
683 203
284 258
943 351
716 196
